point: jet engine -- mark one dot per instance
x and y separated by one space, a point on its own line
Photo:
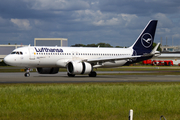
79 67
48 70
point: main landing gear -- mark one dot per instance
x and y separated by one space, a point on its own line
70 75
27 73
91 74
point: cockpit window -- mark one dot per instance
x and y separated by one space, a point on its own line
13 53
17 52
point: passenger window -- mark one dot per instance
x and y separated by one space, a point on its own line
21 53
17 53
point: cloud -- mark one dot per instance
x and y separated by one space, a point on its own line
87 21
23 24
140 7
62 5
3 22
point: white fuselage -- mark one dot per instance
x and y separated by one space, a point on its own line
82 60
60 56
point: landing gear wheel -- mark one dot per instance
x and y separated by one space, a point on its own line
70 75
93 74
26 74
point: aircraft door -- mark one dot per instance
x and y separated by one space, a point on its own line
31 54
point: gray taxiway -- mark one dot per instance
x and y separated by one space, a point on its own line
61 77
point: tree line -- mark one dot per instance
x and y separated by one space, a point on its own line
106 45
95 45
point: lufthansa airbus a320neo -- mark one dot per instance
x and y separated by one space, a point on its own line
82 60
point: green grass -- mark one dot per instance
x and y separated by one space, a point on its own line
154 73
140 68
90 101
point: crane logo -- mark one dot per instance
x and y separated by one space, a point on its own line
146 40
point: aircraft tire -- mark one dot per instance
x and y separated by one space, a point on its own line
70 75
93 74
26 74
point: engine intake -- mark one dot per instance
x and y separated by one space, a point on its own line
79 67
48 70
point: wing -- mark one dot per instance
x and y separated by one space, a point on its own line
111 58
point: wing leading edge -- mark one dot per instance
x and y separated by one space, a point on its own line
104 59
128 58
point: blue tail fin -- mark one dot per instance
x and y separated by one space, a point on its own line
144 42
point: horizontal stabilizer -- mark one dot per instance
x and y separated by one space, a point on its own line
155 49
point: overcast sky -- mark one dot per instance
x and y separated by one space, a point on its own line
117 22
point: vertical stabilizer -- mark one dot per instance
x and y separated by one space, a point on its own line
144 42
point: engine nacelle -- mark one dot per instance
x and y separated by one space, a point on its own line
79 67
48 70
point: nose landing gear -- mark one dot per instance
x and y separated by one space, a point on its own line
27 74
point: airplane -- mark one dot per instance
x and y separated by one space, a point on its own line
82 60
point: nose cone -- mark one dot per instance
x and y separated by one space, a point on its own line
8 60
